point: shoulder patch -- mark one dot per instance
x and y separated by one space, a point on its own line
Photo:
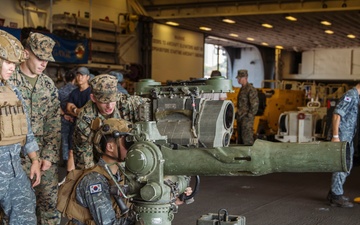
86 119
347 99
95 188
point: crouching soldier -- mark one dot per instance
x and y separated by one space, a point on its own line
94 197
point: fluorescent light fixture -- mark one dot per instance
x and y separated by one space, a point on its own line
172 23
329 31
326 23
267 25
279 47
264 43
205 28
351 36
228 21
291 18
250 39
233 35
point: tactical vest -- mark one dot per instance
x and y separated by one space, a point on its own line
13 124
67 203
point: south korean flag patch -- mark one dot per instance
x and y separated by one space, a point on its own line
347 99
95 188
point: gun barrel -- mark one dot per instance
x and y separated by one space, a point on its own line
262 158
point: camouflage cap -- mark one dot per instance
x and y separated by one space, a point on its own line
242 73
104 88
41 45
215 73
11 48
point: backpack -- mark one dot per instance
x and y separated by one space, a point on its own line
67 204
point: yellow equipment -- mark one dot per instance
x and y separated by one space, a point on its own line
273 102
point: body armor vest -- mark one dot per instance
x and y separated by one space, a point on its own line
67 203
13 124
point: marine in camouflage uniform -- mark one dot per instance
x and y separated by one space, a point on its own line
41 96
17 198
247 107
344 125
104 91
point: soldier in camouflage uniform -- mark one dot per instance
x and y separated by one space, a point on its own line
344 125
105 103
247 107
41 96
17 198
96 191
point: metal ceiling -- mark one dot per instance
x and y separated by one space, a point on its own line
304 34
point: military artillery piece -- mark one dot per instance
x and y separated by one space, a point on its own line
179 124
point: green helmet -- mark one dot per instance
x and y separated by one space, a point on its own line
114 127
11 48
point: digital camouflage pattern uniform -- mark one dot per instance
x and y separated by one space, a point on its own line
44 111
347 108
94 192
17 198
126 108
247 107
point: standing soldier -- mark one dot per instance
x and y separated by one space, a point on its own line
41 96
105 103
247 107
17 198
344 124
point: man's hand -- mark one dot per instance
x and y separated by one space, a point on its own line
188 191
35 174
69 118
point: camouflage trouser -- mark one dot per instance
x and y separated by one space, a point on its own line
17 201
338 178
46 196
245 130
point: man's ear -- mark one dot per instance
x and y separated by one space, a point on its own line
92 97
110 147
26 54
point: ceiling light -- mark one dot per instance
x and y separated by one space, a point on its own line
351 36
329 31
250 39
279 47
264 43
228 21
233 35
267 25
326 23
205 28
291 18
172 23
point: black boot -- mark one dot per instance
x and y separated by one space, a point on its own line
339 200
